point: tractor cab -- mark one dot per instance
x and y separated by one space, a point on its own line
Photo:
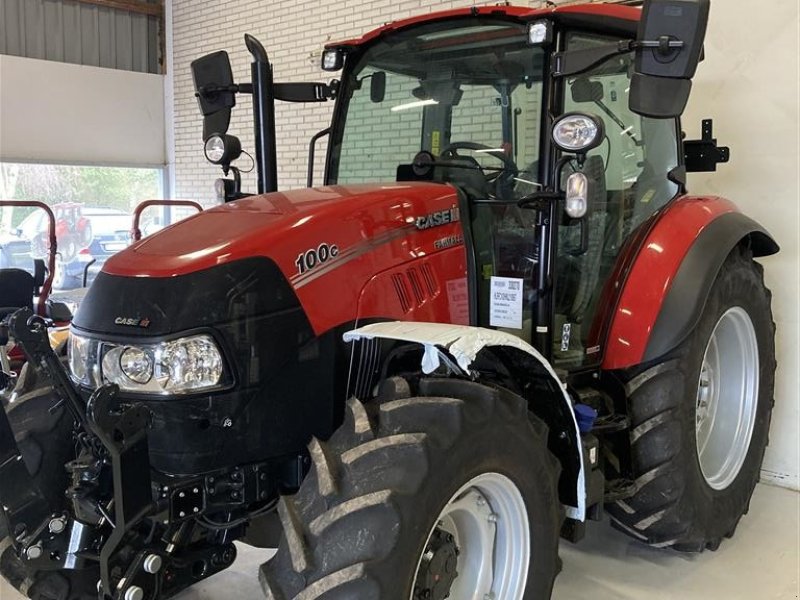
470 103
546 123
500 316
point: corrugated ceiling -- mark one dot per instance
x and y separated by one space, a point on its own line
68 31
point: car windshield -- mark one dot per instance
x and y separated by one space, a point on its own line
468 91
110 224
34 224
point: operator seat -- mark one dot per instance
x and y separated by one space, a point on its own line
17 288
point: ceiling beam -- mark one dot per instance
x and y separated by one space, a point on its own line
134 6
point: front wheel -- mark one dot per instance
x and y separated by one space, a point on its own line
44 433
701 419
448 493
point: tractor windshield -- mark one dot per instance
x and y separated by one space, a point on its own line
467 91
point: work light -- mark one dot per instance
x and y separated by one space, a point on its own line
222 149
577 197
540 33
332 59
578 133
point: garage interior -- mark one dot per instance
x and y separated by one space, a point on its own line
98 110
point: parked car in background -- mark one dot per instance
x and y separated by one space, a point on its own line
111 233
15 252
86 237
73 231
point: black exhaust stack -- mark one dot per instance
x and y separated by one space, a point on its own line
263 116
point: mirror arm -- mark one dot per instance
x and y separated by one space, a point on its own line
237 177
306 92
665 45
584 247
575 62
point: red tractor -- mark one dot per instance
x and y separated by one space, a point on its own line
73 232
501 317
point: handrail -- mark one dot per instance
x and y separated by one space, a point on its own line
136 233
47 287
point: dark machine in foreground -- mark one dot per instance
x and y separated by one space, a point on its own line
501 317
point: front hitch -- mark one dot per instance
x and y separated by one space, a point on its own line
121 431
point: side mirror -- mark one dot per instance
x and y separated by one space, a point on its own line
585 90
215 91
669 47
377 87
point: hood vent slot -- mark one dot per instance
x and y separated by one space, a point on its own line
400 286
430 280
415 286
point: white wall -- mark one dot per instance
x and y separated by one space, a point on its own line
749 85
291 31
62 113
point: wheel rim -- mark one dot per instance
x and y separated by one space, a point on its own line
727 398
488 520
59 276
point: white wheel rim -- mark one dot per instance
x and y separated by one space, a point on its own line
727 398
59 277
489 521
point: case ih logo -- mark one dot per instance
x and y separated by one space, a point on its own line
436 219
130 322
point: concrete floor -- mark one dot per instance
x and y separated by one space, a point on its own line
760 563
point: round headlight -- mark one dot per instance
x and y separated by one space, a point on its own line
215 149
222 149
136 365
578 132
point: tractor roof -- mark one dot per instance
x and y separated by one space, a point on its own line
614 18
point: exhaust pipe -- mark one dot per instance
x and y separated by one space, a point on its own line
263 116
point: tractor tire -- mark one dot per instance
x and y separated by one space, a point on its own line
367 511
686 498
45 439
62 280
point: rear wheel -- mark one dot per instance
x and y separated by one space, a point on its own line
450 493
45 439
701 419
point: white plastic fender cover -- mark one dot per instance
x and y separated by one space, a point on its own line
464 342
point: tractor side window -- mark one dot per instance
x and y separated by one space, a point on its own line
380 135
639 152
479 117
629 182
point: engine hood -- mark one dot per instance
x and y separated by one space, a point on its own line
273 224
328 243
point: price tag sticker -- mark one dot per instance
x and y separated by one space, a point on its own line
506 302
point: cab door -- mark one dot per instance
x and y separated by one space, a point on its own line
629 174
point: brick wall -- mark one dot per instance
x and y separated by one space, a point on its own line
291 31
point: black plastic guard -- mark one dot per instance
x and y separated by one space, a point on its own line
686 298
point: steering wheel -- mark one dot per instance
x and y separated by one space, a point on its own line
503 180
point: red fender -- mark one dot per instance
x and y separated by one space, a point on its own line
652 273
